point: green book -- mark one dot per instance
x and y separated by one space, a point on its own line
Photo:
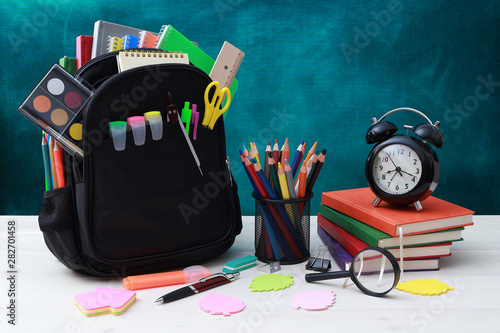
172 40
375 237
68 64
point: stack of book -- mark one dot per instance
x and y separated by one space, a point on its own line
349 223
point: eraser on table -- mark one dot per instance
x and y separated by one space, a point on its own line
104 300
239 264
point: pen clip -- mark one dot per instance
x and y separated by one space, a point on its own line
229 276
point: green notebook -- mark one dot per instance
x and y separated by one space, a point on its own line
375 237
172 40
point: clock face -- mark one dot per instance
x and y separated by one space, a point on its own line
397 169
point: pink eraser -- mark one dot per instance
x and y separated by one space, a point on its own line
104 300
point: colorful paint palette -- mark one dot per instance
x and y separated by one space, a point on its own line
56 105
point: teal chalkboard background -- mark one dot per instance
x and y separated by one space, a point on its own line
314 71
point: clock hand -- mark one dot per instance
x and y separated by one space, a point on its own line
391 160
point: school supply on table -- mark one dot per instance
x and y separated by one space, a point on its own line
135 58
55 105
178 221
282 222
103 30
354 245
271 282
169 39
213 108
373 270
217 304
187 275
319 263
204 284
239 264
226 65
344 258
104 300
424 287
83 50
314 300
375 237
438 215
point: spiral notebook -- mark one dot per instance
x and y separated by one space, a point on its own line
131 59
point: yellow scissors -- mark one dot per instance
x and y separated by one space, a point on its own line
212 107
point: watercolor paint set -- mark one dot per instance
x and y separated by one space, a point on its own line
56 105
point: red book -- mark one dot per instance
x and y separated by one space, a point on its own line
83 50
436 215
353 245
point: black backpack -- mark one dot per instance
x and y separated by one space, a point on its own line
147 208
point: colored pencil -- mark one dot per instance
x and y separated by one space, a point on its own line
289 181
302 182
255 151
296 158
58 161
274 177
46 164
265 181
258 184
315 172
276 152
285 152
283 184
252 181
266 158
311 151
245 150
52 163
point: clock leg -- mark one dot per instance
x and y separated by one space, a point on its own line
376 202
418 206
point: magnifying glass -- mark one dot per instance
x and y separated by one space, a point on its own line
374 270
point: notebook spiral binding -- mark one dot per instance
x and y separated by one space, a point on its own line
154 54
164 31
115 44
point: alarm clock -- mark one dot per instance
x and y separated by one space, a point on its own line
403 169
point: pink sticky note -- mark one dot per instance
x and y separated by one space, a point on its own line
104 300
314 300
221 304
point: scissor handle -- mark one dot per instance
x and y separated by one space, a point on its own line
210 105
217 112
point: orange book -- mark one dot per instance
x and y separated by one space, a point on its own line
436 215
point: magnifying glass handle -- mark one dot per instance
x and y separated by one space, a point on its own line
327 276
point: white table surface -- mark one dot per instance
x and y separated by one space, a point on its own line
45 290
